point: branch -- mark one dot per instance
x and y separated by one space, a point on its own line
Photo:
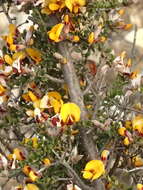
134 43
77 97
54 79
135 169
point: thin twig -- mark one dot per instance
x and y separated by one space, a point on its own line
54 79
135 169
134 43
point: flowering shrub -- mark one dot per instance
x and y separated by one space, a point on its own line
71 110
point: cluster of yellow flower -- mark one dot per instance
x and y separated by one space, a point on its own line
20 55
131 128
51 6
31 174
66 113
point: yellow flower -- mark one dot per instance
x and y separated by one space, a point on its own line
31 186
75 38
17 55
8 59
54 33
26 170
32 96
128 26
70 111
93 169
33 175
2 90
121 11
122 131
126 141
55 95
105 154
18 154
137 161
55 101
139 186
47 162
35 142
34 54
66 19
10 37
128 124
51 6
74 5
91 38
137 123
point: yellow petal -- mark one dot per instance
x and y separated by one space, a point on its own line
76 38
31 186
55 95
34 54
105 154
47 162
26 170
69 5
54 33
126 141
2 90
12 29
81 2
9 39
91 38
19 55
87 175
66 19
70 109
12 47
137 161
8 59
75 9
53 6
36 104
35 142
32 96
122 131
33 175
46 11
55 104
19 155
139 186
137 122
96 167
